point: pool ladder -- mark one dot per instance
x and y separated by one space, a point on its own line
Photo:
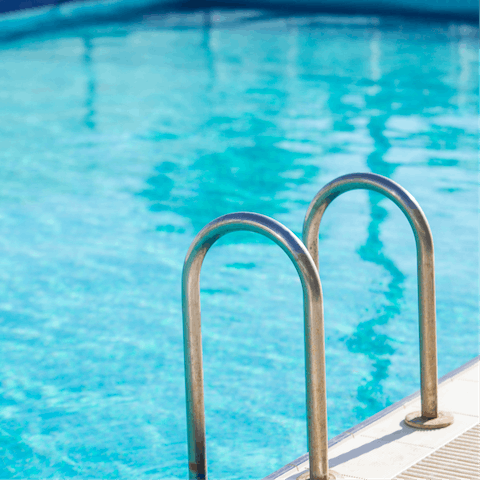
305 259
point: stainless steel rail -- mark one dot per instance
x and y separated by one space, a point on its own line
429 417
314 337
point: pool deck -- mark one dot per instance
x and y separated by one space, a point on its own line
384 447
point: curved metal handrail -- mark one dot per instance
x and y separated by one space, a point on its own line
314 337
425 272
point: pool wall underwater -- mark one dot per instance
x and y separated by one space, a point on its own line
22 18
465 8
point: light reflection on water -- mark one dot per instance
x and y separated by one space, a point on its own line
121 141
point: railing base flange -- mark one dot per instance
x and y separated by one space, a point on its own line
415 420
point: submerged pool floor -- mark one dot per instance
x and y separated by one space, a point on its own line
120 141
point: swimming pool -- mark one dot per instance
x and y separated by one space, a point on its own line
121 140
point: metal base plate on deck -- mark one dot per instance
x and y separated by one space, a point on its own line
416 420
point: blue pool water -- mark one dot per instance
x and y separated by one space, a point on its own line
120 141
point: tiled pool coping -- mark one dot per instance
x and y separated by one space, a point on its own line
383 446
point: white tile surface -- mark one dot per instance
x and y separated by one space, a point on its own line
459 396
373 458
394 428
472 374
388 446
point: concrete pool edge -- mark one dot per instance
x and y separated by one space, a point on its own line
290 467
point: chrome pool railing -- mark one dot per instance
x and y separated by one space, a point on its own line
314 337
429 417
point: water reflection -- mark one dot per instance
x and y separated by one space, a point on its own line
206 40
367 340
250 178
254 173
89 119
387 97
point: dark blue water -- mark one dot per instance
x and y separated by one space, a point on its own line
120 141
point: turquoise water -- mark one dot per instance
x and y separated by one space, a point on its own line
120 141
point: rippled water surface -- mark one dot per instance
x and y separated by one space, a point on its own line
120 141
